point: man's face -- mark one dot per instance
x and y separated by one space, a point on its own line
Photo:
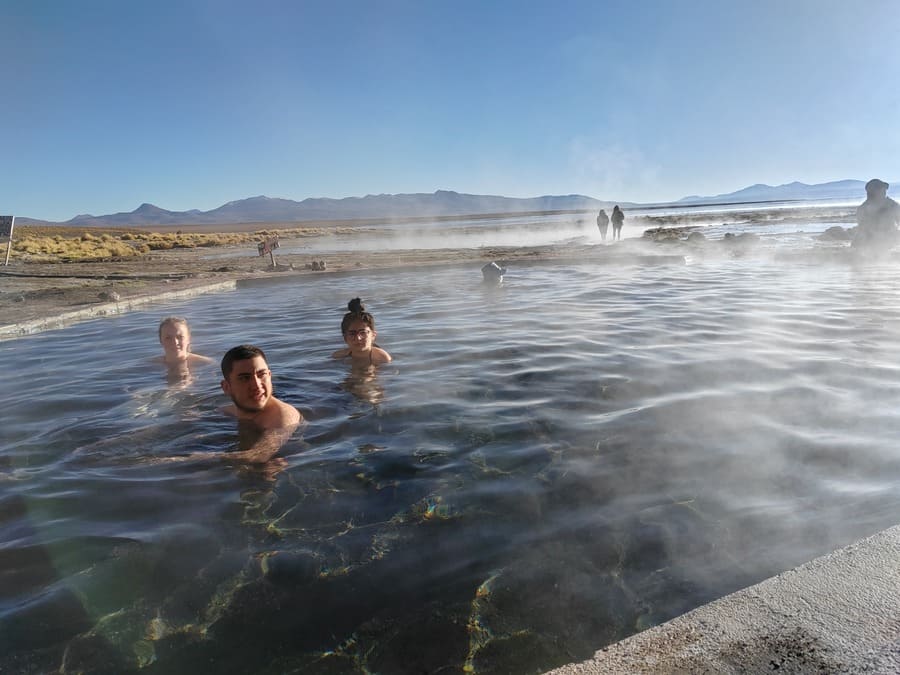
176 341
249 384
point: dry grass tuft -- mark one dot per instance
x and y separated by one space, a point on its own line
66 244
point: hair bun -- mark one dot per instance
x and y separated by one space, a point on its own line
356 306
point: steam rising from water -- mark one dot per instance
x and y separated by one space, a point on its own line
618 443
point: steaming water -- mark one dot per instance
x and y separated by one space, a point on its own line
545 468
544 230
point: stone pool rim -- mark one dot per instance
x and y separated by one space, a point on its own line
838 613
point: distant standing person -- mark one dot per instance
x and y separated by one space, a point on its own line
603 224
877 218
618 219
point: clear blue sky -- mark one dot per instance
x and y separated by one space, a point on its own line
110 103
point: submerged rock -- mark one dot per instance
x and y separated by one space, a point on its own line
666 234
493 273
836 233
743 239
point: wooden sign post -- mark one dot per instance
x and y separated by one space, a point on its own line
268 246
6 229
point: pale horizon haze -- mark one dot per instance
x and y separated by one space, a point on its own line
191 104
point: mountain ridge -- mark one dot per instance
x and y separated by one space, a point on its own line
441 203
839 189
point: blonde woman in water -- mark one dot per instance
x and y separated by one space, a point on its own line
358 329
175 338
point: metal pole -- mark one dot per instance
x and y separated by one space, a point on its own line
9 241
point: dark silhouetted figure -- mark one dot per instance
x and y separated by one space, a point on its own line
618 219
603 224
877 219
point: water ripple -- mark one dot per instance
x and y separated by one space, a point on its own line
621 442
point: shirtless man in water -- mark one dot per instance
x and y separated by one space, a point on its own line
264 422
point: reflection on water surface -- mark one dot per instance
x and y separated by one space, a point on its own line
544 468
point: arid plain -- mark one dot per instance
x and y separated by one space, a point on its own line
57 269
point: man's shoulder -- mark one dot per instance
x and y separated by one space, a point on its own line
285 414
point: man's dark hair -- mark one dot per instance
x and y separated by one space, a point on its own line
240 353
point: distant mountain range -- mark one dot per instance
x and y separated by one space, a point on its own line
271 210
441 203
841 189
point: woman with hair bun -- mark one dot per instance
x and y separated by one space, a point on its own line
358 328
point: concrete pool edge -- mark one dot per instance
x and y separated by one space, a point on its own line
836 613
107 309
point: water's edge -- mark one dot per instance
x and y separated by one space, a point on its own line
836 613
15 330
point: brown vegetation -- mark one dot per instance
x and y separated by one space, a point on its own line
66 244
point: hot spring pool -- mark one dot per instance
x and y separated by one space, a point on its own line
545 468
